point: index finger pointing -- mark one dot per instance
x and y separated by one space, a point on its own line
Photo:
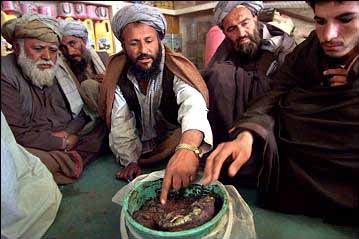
165 187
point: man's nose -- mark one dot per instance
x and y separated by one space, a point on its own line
330 32
143 48
45 54
241 31
71 51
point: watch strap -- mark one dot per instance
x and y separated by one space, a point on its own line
190 147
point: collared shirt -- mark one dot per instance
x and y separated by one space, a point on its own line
124 138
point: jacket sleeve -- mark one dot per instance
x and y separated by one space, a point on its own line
124 141
192 112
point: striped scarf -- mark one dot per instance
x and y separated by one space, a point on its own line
69 88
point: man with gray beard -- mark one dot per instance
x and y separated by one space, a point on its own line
41 103
241 67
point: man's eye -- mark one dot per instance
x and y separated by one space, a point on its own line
149 41
245 23
345 19
231 29
320 21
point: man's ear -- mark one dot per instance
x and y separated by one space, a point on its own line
83 41
255 18
16 48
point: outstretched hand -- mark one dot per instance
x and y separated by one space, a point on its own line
181 170
240 149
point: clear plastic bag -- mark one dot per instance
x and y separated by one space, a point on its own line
236 223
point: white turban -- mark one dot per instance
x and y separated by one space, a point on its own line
139 13
73 28
224 8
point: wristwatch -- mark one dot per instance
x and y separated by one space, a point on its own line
190 147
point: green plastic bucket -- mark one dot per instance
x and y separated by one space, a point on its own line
144 191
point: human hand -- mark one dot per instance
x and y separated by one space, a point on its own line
180 171
130 172
240 149
337 76
71 141
99 77
60 134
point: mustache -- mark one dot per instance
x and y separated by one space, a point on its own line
331 43
143 56
72 57
44 62
250 37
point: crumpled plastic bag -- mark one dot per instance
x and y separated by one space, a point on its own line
236 223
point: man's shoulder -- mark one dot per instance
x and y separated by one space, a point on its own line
115 58
104 56
8 62
10 71
308 48
310 42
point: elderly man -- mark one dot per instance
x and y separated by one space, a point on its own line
41 103
308 125
85 63
241 67
153 99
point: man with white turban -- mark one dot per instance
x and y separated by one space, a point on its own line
84 61
154 101
85 64
41 103
240 69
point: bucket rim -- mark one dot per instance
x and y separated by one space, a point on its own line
167 234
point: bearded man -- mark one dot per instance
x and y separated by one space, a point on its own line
41 103
153 100
84 61
308 126
86 65
241 67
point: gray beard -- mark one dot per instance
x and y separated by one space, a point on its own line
39 78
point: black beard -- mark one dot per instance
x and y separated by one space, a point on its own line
153 71
249 50
79 67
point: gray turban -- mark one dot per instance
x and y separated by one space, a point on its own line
73 28
223 8
139 13
32 25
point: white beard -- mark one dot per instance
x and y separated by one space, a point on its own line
38 77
